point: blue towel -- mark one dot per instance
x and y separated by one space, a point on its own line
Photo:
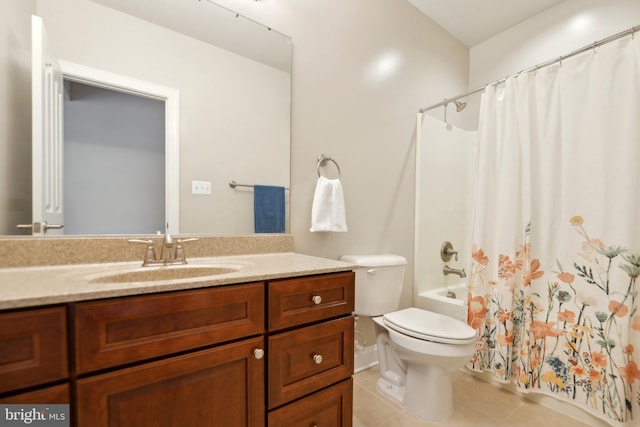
268 209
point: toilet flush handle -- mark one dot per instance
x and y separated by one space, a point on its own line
372 270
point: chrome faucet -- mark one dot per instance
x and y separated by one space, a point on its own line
171 252
448 270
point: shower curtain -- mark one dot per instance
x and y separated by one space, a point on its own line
553 288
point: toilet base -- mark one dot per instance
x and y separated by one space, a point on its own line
393 391
427 394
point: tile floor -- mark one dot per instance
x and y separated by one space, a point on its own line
477 403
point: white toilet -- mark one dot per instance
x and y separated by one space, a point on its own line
417 349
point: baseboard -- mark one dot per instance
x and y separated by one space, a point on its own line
366 358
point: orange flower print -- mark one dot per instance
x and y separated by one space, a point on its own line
567 316
599 360
635 323
566 277
630 373
505 340
479 256
504 315
542 329
506 268
533 272
595 376
628 349
618 310
578 371
477 312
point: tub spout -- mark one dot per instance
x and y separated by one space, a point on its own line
448 270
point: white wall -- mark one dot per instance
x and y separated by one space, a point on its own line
555 32
225 101
445 183
15 115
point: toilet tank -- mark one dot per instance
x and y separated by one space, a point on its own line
379 280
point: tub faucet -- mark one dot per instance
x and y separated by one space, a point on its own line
448 270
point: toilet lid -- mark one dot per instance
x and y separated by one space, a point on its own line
426 325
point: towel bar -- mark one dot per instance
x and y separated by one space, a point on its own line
234 184
322 161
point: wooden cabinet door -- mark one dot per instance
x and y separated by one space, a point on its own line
132 329
33 347
332 407
305 360
221 386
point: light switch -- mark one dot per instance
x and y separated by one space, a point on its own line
201 187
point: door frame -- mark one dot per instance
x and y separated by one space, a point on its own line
171 97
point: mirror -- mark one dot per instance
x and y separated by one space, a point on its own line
234 81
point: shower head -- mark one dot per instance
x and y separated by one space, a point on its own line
460 105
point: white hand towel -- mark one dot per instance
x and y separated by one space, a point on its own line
327 211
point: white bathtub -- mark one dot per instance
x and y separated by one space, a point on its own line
437 301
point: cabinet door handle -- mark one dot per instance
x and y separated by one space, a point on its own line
317 299
317 358
258 353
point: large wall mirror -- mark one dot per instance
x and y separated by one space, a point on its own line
233 78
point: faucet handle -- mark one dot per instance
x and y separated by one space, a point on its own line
446 252
150 253
180 257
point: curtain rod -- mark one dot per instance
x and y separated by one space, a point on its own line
535 67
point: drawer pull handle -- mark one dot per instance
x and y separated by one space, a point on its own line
317 358
258 353
317 299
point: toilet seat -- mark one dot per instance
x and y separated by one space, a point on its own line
429 326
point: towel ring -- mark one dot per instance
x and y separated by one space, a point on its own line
322 161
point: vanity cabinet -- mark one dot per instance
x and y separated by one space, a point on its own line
310 353
277 353
33 356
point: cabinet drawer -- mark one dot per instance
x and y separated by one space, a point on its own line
33 347
220 386
58 394
329 407
308 359
124 330
295 302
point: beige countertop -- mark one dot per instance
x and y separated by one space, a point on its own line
35 286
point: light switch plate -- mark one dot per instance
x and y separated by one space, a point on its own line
201 187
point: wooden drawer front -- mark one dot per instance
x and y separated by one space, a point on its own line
58 394
291 302
119 331
221 386
293 372
33 347
330 407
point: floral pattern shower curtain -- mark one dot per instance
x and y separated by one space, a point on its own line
556 256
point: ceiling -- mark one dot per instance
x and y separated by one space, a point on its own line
474 21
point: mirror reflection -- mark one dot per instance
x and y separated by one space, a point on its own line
233 77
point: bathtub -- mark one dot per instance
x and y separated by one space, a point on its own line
437 301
